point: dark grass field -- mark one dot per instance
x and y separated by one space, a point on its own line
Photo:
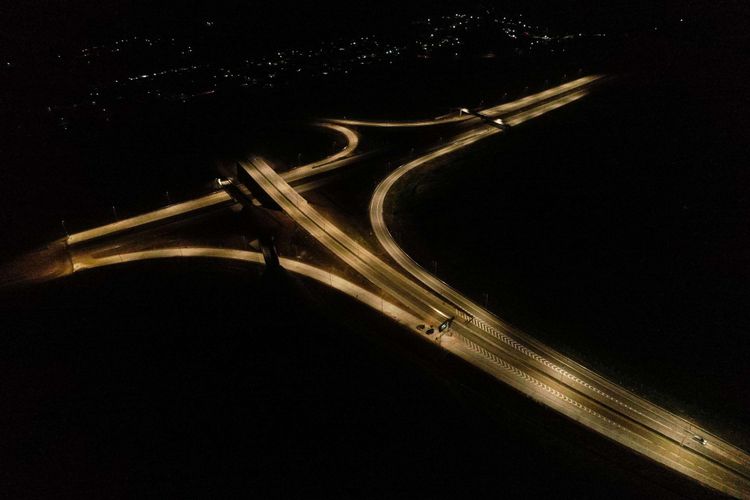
194 378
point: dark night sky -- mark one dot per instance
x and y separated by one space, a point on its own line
49 24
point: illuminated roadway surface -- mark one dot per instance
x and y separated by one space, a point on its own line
476 334
643 427
495 110
676 429
82 263
218 198
336 160
531 367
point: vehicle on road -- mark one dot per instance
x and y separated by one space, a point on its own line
445 324
499 123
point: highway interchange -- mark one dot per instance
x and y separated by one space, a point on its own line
412 296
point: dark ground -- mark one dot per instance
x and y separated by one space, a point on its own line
165 380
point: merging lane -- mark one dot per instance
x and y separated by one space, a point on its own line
88 261
669 425
476 334
332 162
221 198
599 405
491 111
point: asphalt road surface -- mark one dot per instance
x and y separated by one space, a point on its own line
637 409
512 356
416 297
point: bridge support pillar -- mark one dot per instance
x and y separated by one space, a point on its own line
258 193
270 255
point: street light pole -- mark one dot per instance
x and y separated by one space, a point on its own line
64 228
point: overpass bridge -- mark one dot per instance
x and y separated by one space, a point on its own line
481 338
495 122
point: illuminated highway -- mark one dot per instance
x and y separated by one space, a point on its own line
491 111
415 297
650 416
337 160
211 200
221 198
525 364
352 141
83 262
